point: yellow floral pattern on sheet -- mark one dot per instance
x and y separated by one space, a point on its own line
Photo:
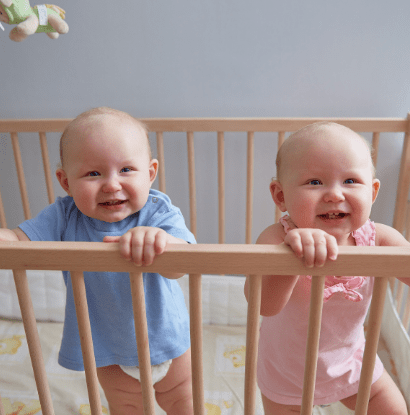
20 408
86 409
213 409
10 345
237 356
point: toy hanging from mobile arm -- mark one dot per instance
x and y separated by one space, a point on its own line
45 18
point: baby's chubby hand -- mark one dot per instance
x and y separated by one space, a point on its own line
141 244
313 245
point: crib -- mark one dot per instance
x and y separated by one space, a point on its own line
389 312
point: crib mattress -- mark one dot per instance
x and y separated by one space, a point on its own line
224 354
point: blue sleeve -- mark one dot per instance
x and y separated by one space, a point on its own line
49 224
159 212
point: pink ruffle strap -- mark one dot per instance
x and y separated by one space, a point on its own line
364 236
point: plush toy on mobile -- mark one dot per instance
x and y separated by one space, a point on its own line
45 18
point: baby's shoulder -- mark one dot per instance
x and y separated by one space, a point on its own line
273 235
388 236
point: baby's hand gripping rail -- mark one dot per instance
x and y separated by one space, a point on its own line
254 260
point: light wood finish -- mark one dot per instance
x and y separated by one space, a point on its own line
87 348
220 124
203 258
399 295
141 331
406 315
375 147
221 187
404 182
46 164
281 140
2 410
33 340
20 174
312 345
249 186
3 221
192 182
372 340
161 160
195 313
252 341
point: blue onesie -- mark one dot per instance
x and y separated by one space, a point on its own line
109 294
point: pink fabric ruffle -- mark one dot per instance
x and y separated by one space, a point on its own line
364 236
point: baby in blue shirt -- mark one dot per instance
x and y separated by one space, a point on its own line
107 171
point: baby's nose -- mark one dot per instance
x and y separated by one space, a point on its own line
112 184
334 194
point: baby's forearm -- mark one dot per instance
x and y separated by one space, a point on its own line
276 291
12 235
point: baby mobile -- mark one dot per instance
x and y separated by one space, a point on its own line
45 18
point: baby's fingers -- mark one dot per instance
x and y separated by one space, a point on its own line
111 238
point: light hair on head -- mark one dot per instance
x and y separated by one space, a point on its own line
310 130
101 111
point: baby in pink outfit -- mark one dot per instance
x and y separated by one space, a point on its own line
326 184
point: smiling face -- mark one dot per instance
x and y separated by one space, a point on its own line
107 167
326 181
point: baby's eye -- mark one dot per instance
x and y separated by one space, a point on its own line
350 181
93 173
314 182
125 170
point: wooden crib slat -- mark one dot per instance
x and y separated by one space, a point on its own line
406 315
20 175
372 340
87 348
33 341
249 186
252 341
3 221
161 160
221 187
281 140
141 332
404 182
46 164
195 312
375 146
399 295
312 346
192 183
2 410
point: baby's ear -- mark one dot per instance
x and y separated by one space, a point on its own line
153 169
278 197
62 179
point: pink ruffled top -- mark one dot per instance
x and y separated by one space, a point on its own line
282 345
364 236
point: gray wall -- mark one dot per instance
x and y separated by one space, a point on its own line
213 58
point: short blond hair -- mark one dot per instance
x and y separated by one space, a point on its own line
310 129
101 111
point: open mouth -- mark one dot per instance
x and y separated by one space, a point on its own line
113 203
339 215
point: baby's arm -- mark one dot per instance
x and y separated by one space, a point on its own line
13 235
388 236
142 243
314 245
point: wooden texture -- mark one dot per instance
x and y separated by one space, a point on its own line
195 313
312 344
141 331
192 182
3 221
20 174
203 258
87 348
46 165
33 340
372 340
249 186
252 341
221 188
161 161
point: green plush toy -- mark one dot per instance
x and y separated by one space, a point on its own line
45 18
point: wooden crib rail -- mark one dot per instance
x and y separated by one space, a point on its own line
196 259
161 126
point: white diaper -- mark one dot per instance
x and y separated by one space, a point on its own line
158 371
